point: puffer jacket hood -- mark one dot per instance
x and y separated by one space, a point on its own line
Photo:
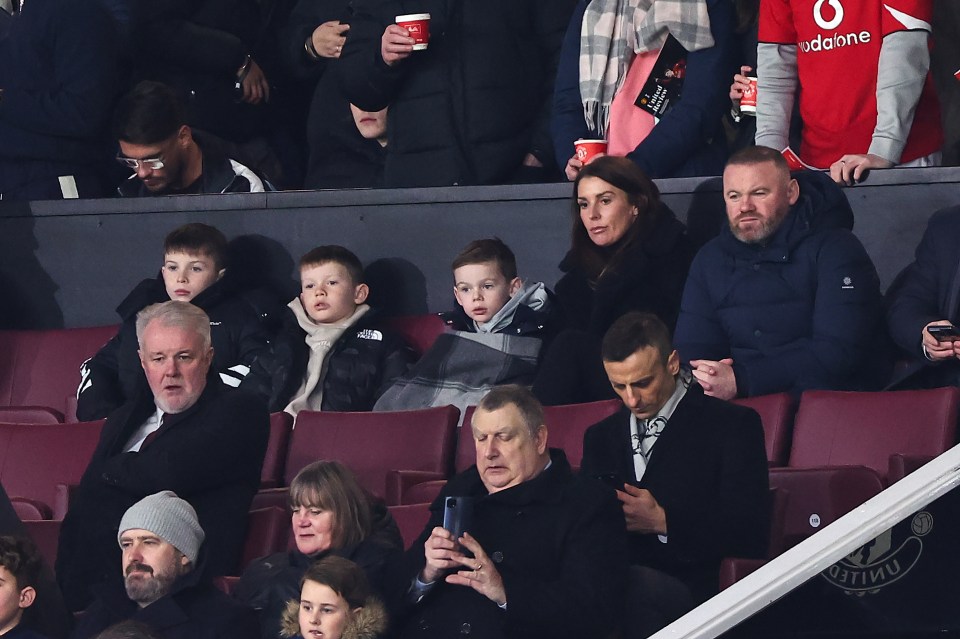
369 623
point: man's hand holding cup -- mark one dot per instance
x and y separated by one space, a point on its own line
410 33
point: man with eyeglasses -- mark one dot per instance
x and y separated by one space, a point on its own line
166 156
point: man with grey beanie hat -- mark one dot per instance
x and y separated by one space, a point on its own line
160 540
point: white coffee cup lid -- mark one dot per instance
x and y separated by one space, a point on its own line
410 17
589 141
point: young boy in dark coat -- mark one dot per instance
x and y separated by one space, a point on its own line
329 354
193 270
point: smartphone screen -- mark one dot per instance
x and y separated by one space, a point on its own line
944 333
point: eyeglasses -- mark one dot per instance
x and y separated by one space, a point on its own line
154 164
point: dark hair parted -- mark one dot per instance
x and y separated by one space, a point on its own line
21 558
529 407
488 250
752 155
343 577
330 485
196 238
338 254
150 113
633 332
641 192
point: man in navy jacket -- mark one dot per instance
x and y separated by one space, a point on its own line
786 298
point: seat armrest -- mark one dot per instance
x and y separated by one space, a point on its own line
30 509
733 569
399 482
61 499
271 497
902 465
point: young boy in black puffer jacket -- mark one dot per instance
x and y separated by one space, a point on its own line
330 354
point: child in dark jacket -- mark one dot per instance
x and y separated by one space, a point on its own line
193 270
329 354
500 328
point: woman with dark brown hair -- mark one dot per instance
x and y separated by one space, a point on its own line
628 253
331 515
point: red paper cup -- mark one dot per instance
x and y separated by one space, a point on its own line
418 24
748 103
587 149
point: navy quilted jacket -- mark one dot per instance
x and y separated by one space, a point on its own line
803 311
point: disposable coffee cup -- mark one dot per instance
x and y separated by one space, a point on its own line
587 149
418 24
748 103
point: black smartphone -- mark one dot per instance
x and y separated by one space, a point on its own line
944 333
611 479
458 515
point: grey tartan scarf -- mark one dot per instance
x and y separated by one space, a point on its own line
614 30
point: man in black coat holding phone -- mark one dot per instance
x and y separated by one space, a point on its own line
542 556
691 471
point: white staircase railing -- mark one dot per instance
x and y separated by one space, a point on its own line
807 559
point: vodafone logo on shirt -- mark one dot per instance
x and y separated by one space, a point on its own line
829 18
837 14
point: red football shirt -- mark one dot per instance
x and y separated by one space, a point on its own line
838 51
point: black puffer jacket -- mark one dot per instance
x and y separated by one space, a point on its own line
471 106
363 363
649 277
270 582
237 330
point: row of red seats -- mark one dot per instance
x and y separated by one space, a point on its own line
843 449
827 455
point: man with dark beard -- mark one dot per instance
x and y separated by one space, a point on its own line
161 538
786 298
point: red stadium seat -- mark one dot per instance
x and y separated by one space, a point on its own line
267 533
36 458
419 331
42 368
30 415
820 496
372 444
776 413
411 519
45 535
835 428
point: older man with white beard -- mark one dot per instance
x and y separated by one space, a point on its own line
160 541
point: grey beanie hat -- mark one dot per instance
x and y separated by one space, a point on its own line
168 517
